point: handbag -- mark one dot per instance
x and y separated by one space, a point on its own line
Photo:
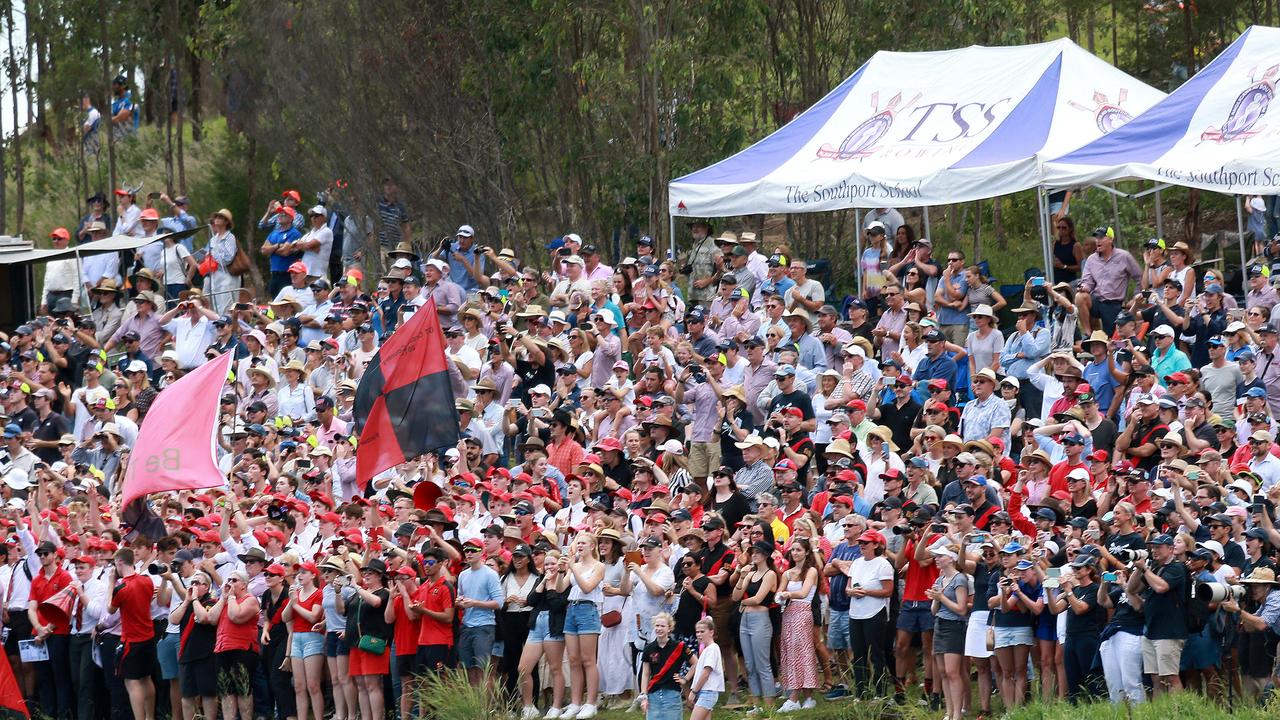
207 264
368 643
239 264
611 618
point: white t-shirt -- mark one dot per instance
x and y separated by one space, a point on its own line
868 573
710 658
174 265
317 261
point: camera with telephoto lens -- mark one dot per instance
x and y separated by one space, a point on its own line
1215 592
1128 556
158 569
901 529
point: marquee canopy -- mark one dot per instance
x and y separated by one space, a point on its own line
915 129
1212 133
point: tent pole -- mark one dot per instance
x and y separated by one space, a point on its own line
672 236
1159 214
1042 203
1115 213
927 231
857 249
81 294
1240 230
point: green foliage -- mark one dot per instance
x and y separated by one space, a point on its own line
450 696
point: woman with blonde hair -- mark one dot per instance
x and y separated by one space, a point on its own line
547 601
705 680
582 624
950 594
805 528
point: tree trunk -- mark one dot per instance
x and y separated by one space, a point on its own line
16 94
1115 35
248 242
106 86
1191 221
1090 26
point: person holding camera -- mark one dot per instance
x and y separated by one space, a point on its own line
1259 615
1161 582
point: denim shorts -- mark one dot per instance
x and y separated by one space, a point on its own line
915 617
583 618
838 630
307 644
334 645
167 654
475 645
665 705
541 631
1011 636
707 699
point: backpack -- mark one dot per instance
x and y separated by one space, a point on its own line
1196 607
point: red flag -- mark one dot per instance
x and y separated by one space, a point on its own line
404 403
11 701
176 447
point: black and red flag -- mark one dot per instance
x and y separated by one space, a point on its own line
404 403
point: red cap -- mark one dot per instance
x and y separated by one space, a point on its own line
937 384
609 443
60 232
329 517
856 404
1179 377
539 491
468 498
205 536
656 516
275 569
309 567
110 545
406 571
842 500
1061 495
323 499
498 471
797 412
150 214
661 490
523 477
448 511
205 499
1099 456
297 197
298 266
122 192
872 536
848 476
784 464
83 560
905 379
288 212
623 493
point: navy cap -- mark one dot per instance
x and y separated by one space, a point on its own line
645 241
1161 539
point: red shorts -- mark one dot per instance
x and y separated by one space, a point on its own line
363 663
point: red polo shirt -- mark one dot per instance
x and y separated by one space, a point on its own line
43 588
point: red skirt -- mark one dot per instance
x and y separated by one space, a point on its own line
363 663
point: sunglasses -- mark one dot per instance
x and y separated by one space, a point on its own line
470 550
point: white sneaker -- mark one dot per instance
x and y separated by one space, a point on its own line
553 714
809 704
570 712
789 706
529 713
587 711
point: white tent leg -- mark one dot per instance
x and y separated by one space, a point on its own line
928 232
1159 215
1240 230
1043 203
857 249
672 236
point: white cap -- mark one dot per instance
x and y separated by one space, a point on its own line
772 442
575 260
942 550
136 366
16 504
575 237
17 479
1234 327
438 264
318 210
540 389
855 350
465 231
1163 330
1078 474
402 263
1215 546
672 447
557 316
169 355
1242 485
